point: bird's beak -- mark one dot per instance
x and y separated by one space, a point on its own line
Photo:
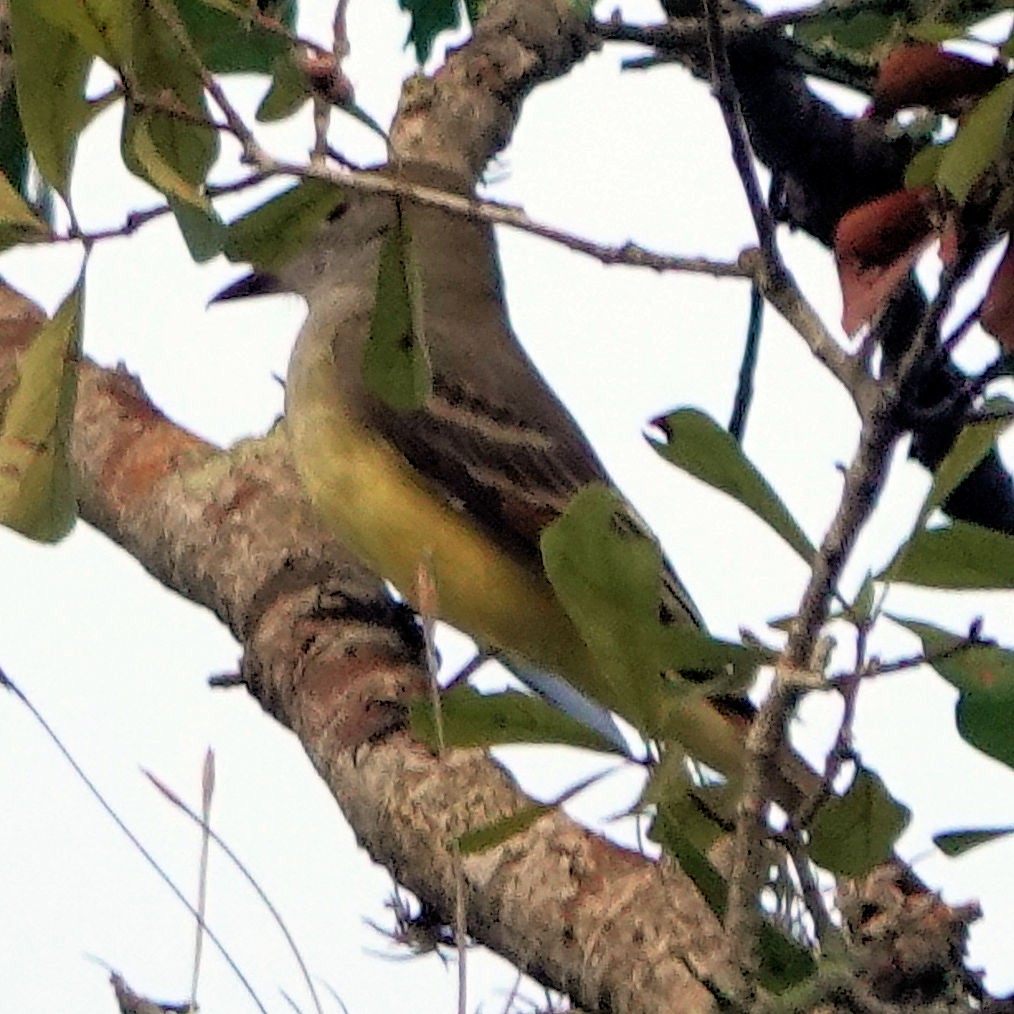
257 283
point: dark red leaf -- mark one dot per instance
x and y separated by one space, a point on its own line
922 74
876 245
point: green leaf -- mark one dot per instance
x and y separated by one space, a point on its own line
857 33
17 221
167 136
36 490
429 19
396 364
607 574
685 812
972 445
784 963
853 833
922 170
148 161
269 235
51 68
978 142
520 821
232 41
984 678
471 719
502 830
89 23
957 843
287 93
958 556
202 229
699 446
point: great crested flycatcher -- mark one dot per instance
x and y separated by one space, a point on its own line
463 482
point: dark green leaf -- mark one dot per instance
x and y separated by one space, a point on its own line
705 450
13 145
957 843
51 69
978 142
471 719
270 234
784 962
858 33
960 555
984 678
429 19
853 833
972 445
230 41
396 364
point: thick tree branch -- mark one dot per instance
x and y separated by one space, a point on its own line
334 659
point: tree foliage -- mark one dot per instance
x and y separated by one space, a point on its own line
930 163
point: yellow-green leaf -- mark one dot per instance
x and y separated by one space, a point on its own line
36 491
157 169
51 69
978 142
17 220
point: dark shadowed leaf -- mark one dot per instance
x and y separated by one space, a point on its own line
429 19
972 445
983 675
853 833
957 843
698 445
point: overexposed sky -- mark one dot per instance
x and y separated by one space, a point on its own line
119 665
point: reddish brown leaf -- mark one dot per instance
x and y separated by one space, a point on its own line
876 245
998 307
921 74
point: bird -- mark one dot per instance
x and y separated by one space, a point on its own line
460 463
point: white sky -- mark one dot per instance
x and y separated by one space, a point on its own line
118 664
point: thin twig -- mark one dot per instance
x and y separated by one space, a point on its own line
373 182
247 875
728 101
8 683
